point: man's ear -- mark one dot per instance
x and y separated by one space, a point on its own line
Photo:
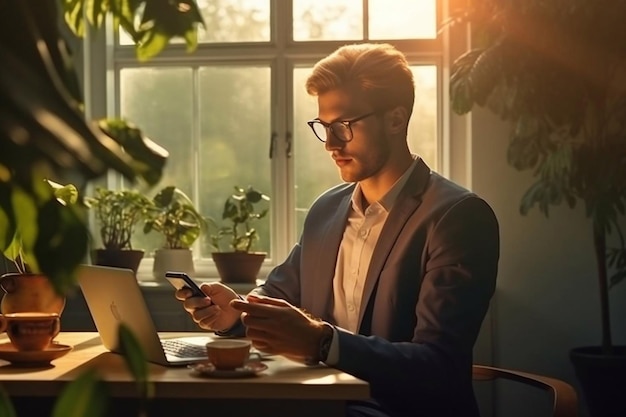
396 120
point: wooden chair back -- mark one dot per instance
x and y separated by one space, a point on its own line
564 396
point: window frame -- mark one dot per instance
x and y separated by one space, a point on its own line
103 59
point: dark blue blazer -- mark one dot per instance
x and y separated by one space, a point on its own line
427 290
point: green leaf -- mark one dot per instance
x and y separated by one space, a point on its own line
6 407
62 242
25 209
617 278
123 16
485 73
93 12
164 197
191 39
73 14
539 193
147 158
523 151
67 194
7 217
85 396
151 44
136 361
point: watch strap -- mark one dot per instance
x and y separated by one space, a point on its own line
324 346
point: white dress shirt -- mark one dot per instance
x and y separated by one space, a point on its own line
362 231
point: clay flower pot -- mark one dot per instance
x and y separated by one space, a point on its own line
29 293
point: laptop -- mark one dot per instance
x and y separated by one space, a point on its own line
113 296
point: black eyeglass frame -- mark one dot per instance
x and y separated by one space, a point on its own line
329 126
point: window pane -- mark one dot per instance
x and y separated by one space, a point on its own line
402 19
159 101
317 20
235 21
314 169
423 125
235 132
228 21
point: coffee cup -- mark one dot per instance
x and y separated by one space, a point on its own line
30 331
228 353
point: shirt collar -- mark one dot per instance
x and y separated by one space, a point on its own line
388 200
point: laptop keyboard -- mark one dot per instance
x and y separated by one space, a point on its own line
182 349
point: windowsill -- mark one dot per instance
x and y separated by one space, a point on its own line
205 271
149 282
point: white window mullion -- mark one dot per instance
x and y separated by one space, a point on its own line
284 218
195 145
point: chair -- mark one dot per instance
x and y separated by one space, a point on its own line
564 395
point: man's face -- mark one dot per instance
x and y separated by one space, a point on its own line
369 150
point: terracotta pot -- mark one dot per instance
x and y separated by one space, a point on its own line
238 267
126 258
29 293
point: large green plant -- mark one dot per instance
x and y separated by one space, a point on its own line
174 216
556 70
44 135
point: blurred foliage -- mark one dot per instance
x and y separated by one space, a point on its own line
556 70
44 136
151 24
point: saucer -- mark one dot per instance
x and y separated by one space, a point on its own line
9 353
208 369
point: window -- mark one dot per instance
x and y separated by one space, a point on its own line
235 111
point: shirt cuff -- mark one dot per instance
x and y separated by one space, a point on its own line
236 330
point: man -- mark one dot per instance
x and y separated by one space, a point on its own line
394 270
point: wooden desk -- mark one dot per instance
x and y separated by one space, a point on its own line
285 388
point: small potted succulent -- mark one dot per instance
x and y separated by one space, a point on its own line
174 215
238 262
117 213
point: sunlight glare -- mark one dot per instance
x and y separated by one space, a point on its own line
402 19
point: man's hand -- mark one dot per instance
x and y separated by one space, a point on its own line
214 311
277 327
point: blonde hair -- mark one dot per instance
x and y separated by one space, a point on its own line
378 70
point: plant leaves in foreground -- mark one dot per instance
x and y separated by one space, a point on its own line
6 407
136 361
86 396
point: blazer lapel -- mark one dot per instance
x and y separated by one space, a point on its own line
323 299
407 202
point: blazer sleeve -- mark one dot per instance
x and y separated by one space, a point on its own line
284 280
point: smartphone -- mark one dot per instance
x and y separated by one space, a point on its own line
181 280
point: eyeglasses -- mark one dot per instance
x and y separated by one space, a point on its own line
341 129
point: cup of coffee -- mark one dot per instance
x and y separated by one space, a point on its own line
30 331
228 353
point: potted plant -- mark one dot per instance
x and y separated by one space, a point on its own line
117 213
176 218
238 263
29 288
556 71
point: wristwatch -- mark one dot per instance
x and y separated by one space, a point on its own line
324 346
